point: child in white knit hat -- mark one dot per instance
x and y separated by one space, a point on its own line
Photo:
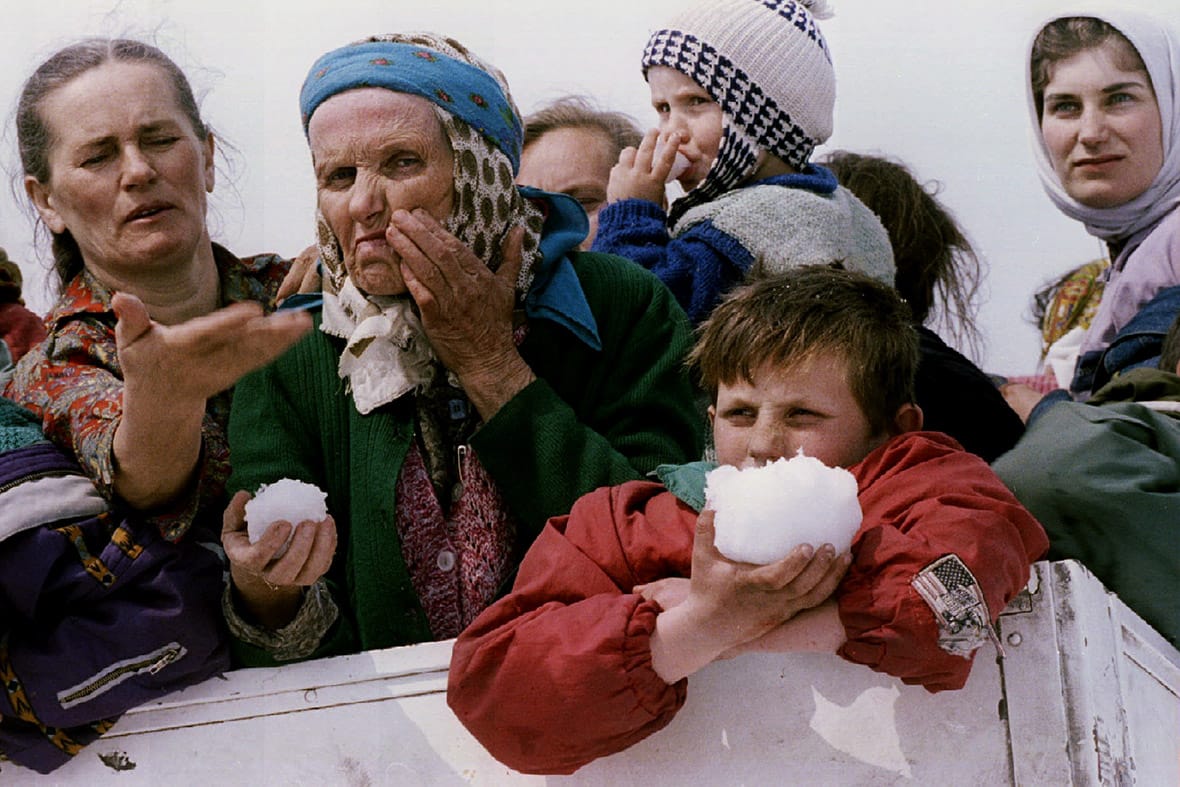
744 90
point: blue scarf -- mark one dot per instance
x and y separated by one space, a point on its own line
467 92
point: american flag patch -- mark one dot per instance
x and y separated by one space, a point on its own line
955 598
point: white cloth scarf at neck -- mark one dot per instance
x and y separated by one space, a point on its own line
1159 47
387 354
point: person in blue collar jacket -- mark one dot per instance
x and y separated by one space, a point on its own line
744 90
471 374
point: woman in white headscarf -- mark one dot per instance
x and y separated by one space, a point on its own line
472 375
1102 474
1104 96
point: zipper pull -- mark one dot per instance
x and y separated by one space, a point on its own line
170 655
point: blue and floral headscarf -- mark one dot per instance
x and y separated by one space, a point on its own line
387 354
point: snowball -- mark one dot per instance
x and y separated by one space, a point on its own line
762 513
287 500
678 167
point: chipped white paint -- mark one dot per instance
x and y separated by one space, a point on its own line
1087 694
866 730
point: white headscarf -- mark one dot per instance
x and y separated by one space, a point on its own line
1159 47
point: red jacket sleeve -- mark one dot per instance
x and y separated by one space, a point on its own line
923 498
558 672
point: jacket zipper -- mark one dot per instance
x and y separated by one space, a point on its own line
151 665
24 479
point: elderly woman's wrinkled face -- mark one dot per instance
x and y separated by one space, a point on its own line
376 151
128 173
1101 125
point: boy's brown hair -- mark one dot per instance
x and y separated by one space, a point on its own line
786 318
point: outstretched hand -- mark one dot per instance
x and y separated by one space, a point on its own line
201 357
730 603
169 373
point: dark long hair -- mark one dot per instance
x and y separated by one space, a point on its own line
935 260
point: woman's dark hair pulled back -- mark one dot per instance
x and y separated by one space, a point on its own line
35 138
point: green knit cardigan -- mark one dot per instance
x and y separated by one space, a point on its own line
592 418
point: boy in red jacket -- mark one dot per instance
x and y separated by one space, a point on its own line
616 603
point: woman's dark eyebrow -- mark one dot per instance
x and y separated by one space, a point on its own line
1115 88
1122 86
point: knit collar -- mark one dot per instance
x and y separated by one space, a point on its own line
812 177
1159 47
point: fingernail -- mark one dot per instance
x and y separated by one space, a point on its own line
828 550
808 551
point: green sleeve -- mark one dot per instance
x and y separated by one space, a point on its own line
1105 484
596 418
277 430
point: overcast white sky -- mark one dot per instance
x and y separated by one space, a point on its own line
938 84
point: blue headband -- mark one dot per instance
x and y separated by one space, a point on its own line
467 92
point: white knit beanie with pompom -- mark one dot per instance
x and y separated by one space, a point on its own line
764 61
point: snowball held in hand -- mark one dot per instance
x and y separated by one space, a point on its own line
762 513
286 500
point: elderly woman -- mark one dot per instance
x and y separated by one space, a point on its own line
108 597
472 375
1104 476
